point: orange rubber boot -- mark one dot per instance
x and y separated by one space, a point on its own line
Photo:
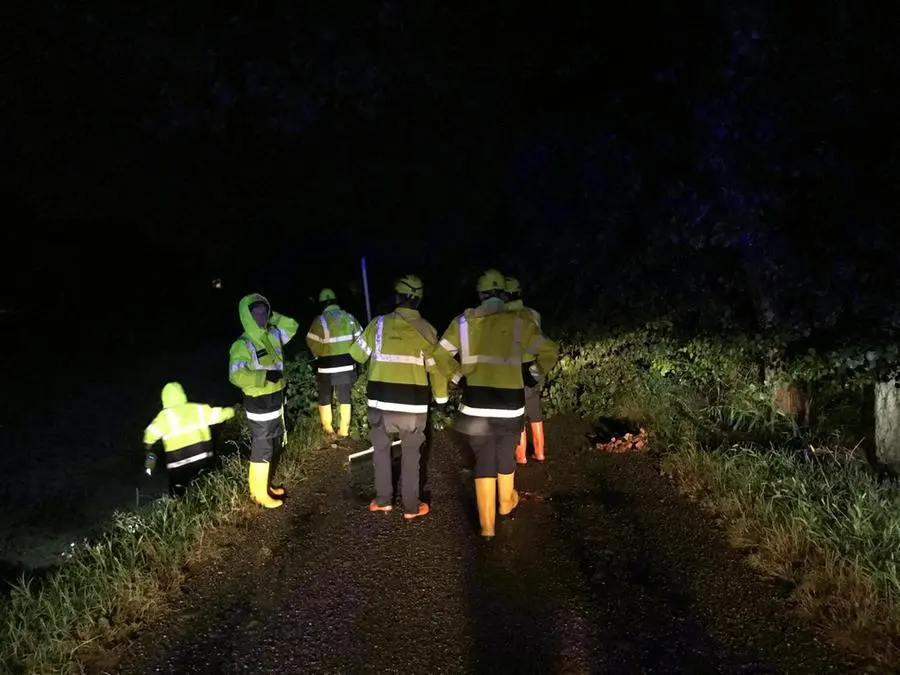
520 449
537 438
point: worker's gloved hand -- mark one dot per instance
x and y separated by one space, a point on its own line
150 463
532 376
274 376
227 413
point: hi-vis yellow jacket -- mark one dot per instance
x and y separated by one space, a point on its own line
400 350
491 343
184 427
517 306
255 352
329 339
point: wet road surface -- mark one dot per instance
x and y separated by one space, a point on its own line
604 569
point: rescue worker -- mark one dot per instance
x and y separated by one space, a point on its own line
183 428
513 297
491 343
256 366
399 347
329 339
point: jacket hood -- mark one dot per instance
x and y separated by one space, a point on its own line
254 332
173 394
515 304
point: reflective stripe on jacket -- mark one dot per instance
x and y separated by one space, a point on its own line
491 343
259 350
517 306
183 427
329 339
399 349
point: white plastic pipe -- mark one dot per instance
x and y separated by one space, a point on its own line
365 277
368 452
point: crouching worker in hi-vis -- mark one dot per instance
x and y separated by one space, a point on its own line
531 376
183 428
490 343
329 339
398 347
256 366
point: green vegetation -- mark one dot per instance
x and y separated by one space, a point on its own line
106 587
801 496
797 492
109 585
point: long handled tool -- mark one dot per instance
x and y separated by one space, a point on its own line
361 453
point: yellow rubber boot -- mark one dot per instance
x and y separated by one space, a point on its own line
344 430
486 498
259 485
509 498
325 418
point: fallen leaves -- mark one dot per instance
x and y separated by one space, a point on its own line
626 443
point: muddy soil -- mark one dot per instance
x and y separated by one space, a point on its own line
604 568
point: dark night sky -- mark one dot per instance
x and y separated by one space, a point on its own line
274 147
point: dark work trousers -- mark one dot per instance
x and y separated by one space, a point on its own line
265 440
277 447
494 454
181 477
340 381
411 428
533 404
266 433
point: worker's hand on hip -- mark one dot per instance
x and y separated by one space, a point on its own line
274 376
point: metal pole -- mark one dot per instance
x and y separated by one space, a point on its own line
368 452
365 277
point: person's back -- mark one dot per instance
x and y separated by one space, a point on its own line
401 344
531 376
329 338
184 430
490 343
398 348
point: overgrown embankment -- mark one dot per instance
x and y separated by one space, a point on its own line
107 587
804 502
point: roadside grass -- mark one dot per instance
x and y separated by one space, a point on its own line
809 509
818 520
109 586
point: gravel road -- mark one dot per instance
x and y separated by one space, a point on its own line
603 569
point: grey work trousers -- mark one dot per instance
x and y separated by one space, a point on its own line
411 428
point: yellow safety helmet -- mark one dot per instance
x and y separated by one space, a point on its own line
491 280
326 294
512 285
410 285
